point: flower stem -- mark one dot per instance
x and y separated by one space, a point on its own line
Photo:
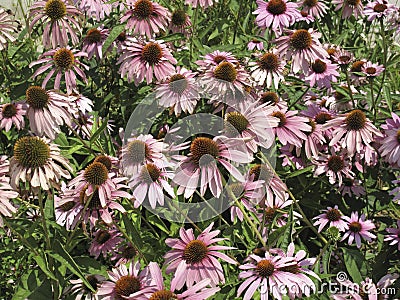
350 91
194 32
373 100
382 31
239 13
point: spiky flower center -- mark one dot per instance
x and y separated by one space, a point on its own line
64 59
203 146
259 252
235 122
103 236
319 66
344 59
265 268
269 62
55 9
150 173
94 199
105 160
294 269
355 120
269 97
353 2
31 152
9 110
178 83
281 117
195 251
36 97
333 215
152 53
310 3
380 7
322 117
276 7
67 206
219 59
370 70
335 163
301 39
178 17
138 151
92 281
357 66
126 285
269 214
355 227
122 36
163 295
237 190
225 71
260 172
93 36
128 252
96 173
331 51
398 136
143 9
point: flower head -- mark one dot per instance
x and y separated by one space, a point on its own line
359 228
81 291
6 191
394 235
180 22
93 42
349 7
12 113
314 8
331 217
215 58
105 242
96 9
322 72
7 28
379 9
372 70
390 143
335 166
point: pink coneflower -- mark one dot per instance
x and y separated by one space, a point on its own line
104 242
6 191
125 254
276 14
348 7
93 42
331 217
215 58
81 103
268 69
343 58
272 98
292 157
358 228
143 60
304 16
127 283
180 22
352 131
356 67
179 91
38 163
378 9
198 291
60 18
12 113
302 46
96 9
394 235
335 166
62 62
372 70
47 111
314 141
322 72
81 291
352 187
193 259
271 214
291 128
202 164
390 144
269 274
202 3
251 121
396 191
314 8
255 44
146 17
7 28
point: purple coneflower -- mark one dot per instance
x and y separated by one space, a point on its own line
332 217
6 191
202 3
351 187
104 242
304 16
390 144
255 44
125 254
97 9
215 58
93 42
379 9
143 60
394 235
322 72
12 113
145 17
314 8
62 62
81 291
60 18
180 22
193 259
372 70
81 103
358 228
343 58
7 27
348 7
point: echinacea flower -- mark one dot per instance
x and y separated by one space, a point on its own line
203 161
201 3
215 58
145 17
359 228
198 291
7 28
81 291
60 18
390 143
268 69
193 259
322 72
143 60
372 70
255 44
104 242
276 14
331 217
349 7
93 42
335 166
394 235
180 22
343 58
179 91
124 254
96 9
378 9
62 62
352 187
47 111
302 46
352 131
6 191
314 8
396 191
81 103
127 282
12 113
37 163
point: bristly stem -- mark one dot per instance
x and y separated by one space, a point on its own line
385 50
373 100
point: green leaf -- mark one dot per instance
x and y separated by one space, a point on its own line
112 36
299 172
40 260
132 231
275 235
99 130
355 262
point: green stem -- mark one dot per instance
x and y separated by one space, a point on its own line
320 254
237 21
373 100
194 32
20 237
350 91
385 50
300 97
